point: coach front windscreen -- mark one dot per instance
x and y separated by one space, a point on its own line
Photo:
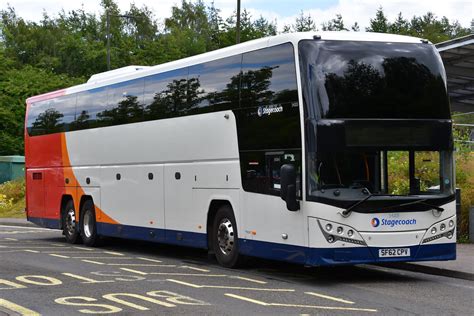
378 125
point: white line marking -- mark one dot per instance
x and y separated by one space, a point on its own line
229 287
33 251
195 269
94 262
11 239
332 298
82 248
134 271
248 279
148 259
59 256
111 258
243 298
141 265
114 253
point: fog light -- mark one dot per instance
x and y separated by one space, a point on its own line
350 232
451 223
450 235
328 227
442 227
331 238
433 230
340 230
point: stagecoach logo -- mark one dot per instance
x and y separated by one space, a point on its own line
375 222
269 109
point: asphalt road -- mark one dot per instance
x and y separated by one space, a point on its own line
41 274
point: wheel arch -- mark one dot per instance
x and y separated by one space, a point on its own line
214 206
64 200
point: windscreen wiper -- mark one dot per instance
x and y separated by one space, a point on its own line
349 210
420 201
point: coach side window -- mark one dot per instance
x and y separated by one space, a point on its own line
165 93
214 86
124 105
51 116
268 121
89 104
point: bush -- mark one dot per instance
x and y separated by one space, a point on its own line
12 198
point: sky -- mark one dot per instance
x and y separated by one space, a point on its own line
281 11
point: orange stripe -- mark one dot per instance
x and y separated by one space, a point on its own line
79 191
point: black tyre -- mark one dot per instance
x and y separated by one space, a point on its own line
70 224
88 224
225 239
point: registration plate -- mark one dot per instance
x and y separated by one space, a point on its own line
394 252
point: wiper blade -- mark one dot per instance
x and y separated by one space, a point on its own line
421 201
349 210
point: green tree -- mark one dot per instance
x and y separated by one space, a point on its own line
336 24
303 23
379 24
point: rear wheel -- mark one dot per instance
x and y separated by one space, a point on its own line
70 225
225 240
88 224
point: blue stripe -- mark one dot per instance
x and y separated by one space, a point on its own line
275 251
174 237
46 222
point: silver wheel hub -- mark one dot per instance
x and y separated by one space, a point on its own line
71 222
88 229
225 236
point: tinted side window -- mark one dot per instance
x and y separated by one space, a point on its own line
125 104
165 94
214 86
51 116
269 76
89 104
268 121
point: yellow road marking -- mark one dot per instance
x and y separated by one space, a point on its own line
134 271
87 280
17 308
113 297
332 298
148 259
228 287
248 279
114 253
196 269
353 309
59 256
82 248
94 262
31 280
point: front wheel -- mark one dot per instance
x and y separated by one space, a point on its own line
88 224
70 226
225 240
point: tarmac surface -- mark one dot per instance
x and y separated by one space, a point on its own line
41 274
